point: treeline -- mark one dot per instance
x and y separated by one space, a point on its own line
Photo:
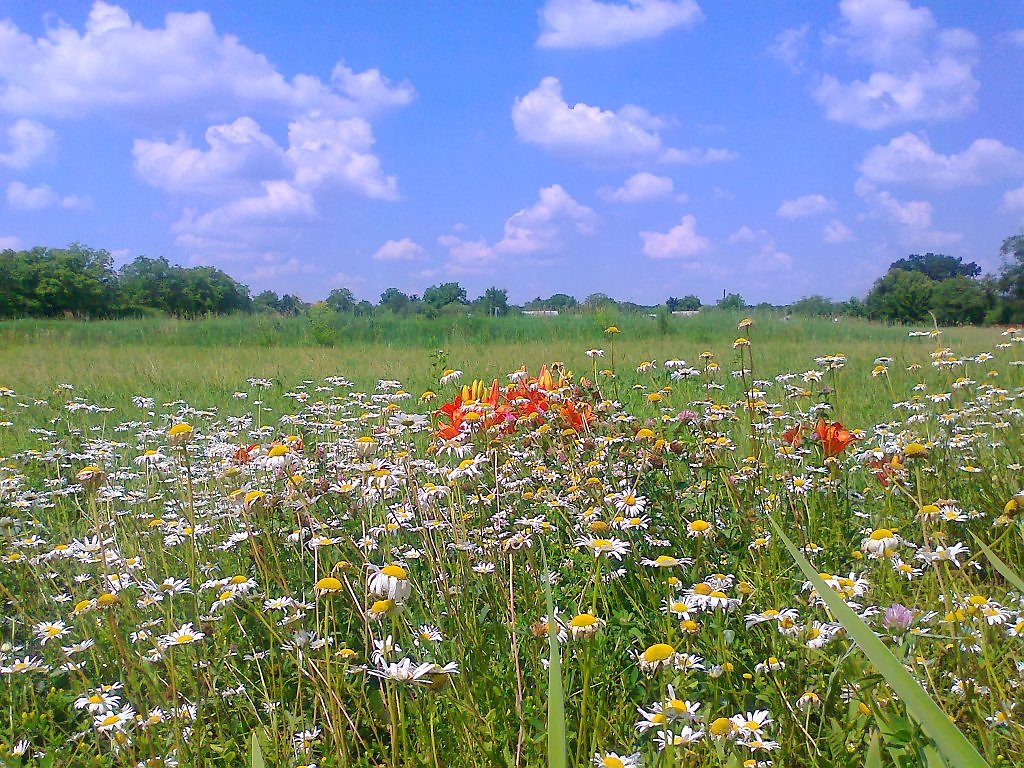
920 286
81 282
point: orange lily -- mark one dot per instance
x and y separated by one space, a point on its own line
834 437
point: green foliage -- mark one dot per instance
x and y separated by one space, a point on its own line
900 296
937 266
322 328
951 742
438 296
961 300
731 301
814 306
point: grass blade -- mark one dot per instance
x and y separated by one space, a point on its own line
256 752
557 747
952 744
874 758
1004 570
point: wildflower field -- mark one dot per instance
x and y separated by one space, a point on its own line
733 543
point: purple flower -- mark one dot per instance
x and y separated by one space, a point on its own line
898 617
686 416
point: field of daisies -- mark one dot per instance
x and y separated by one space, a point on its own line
678 562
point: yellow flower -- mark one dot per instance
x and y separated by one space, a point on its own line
180 433
327 585
611 329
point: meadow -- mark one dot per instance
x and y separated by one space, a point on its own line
594 540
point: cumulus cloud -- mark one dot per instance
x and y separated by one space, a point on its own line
639 188
766 258
467 255
807 205
540 228
910 159
631 134
918 70
836 232
680 242
9 242
117 64
263 218
26 198
27 142
239 155
261 191
790 47
1013 200
589 23
914 218
399 250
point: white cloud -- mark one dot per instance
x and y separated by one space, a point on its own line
746 235
680 242
910 159
9 242
26 198
790 47
914 218
259 185
399 250
240 154
467 255
589 23
837 232
262 218
326 151
544 118
919 71
118 65
1013 199
28 141
638 188
915 214
1015 36
541 226
767 258
807 205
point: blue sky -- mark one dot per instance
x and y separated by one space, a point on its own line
642 149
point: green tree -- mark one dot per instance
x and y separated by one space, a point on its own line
937 266
394 300
961 301
266 301
900 297
494 301
814 306
438 296
731 301
341 300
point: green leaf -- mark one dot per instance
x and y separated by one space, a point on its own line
557 748
256 752
874 758
1004 570
952 744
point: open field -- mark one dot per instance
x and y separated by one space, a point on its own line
224 544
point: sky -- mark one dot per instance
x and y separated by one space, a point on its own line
638 148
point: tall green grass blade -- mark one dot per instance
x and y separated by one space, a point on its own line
952 744
874 758
557 748
256 752
1004 570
